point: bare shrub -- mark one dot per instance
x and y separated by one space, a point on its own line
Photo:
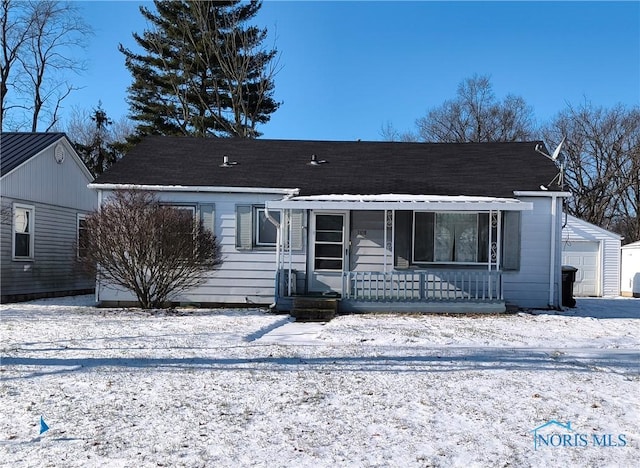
151 249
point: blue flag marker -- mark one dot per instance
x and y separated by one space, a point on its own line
43 426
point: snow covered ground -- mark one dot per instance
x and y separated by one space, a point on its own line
199 387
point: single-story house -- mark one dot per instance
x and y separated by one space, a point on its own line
630 270
375 225
44 200
595 252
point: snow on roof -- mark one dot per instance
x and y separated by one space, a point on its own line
400 202
402 198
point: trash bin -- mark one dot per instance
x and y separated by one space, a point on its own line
568 278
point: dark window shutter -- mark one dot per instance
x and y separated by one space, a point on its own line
297 238
511 241
207 217
244 227
402 239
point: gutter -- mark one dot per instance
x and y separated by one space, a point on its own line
288 192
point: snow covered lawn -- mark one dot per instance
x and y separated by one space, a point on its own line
246 388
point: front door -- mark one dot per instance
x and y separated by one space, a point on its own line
329 251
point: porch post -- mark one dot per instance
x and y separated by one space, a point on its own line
278 270
290 234
385 241
499 241
490 253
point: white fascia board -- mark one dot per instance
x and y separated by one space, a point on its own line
542 193
184 188
514 205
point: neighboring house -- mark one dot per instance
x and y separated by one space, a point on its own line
595 252
378 225
44 200
630 270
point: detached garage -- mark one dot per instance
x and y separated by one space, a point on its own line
630 268
595 252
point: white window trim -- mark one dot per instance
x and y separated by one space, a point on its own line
32 217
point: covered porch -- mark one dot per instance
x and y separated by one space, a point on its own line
396 253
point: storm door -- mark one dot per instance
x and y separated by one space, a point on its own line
329 251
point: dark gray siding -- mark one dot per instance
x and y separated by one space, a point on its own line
53 270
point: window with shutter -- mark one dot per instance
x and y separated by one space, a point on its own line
511 241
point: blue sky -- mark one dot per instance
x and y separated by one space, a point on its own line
348 68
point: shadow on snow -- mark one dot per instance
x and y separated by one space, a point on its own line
625 362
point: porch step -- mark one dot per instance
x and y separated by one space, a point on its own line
314 309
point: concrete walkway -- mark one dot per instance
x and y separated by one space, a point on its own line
294 333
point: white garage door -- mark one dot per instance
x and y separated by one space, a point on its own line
585 256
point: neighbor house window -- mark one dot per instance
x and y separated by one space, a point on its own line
450 237
23 218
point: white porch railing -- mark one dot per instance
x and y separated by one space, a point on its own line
427 285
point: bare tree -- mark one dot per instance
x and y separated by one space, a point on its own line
153 250
389 133
476 115
602 164
15 33
39 40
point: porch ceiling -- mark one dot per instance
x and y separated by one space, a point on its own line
400 202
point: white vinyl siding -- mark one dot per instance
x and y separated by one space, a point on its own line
367 241
529 285
246 276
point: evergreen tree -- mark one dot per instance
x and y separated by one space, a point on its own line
94 141
204 72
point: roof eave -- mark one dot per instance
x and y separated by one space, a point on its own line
418 204
187 188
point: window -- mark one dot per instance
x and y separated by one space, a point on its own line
81 240
266 232
450 237
255 231
23 232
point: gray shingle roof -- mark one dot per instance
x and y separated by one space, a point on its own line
17 148
473 169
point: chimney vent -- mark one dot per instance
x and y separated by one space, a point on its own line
226 163
315 161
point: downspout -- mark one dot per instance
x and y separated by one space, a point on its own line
97 291
552 260
273 221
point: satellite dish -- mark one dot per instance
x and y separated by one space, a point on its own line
556 153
